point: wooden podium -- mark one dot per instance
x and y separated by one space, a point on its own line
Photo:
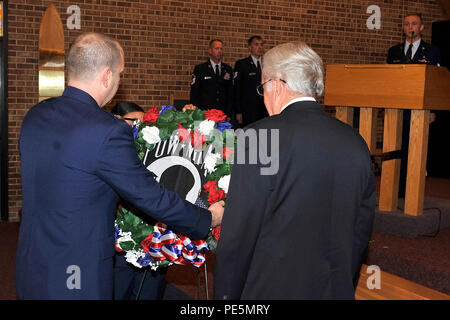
420 88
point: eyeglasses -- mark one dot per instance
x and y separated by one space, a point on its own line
136 122
130 119
260 88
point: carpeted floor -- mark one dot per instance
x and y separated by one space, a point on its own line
424 259
8 238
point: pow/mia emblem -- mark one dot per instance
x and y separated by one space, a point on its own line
193 80
226 76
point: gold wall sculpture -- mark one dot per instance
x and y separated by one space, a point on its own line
51 55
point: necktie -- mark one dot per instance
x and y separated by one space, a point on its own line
258 70
409 53
217 70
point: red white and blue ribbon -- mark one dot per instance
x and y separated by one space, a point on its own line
177 248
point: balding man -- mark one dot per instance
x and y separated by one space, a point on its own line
76 160
301 232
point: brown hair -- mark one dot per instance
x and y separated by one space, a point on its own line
89 53
215 40
250 40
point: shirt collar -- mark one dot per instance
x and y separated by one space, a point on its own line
255 61
214 64
415 44
297 100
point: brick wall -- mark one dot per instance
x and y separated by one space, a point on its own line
164 40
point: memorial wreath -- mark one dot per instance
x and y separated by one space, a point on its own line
206 143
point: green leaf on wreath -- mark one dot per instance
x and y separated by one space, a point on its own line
165 132
198 115
140 234
127 245
149 146
212 243
131 220
165 117
183 118
222 170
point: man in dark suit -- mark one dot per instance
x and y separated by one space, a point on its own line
248 104
413 51
212 82
76 160
301 232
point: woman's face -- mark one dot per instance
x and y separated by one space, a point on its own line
133 116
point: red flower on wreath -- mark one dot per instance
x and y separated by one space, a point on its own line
216 232
209 186
183 134
145 244
215 115
195 138
151 115
216 195
227 152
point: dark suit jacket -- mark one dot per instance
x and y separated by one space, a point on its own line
302 233
246 100
209 91
427 52
76 160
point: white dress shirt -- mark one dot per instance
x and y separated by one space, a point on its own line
414 48
297 100
214 66
255 61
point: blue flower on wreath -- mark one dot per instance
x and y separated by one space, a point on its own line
135 132
223 125
116 232
164 109
145 260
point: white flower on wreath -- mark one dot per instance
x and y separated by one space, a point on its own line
206 126
124 236
210 161
132 257
151 135
224 182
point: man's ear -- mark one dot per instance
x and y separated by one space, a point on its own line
422 26
106 76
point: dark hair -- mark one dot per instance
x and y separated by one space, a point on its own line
124 107
250 40
214 40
